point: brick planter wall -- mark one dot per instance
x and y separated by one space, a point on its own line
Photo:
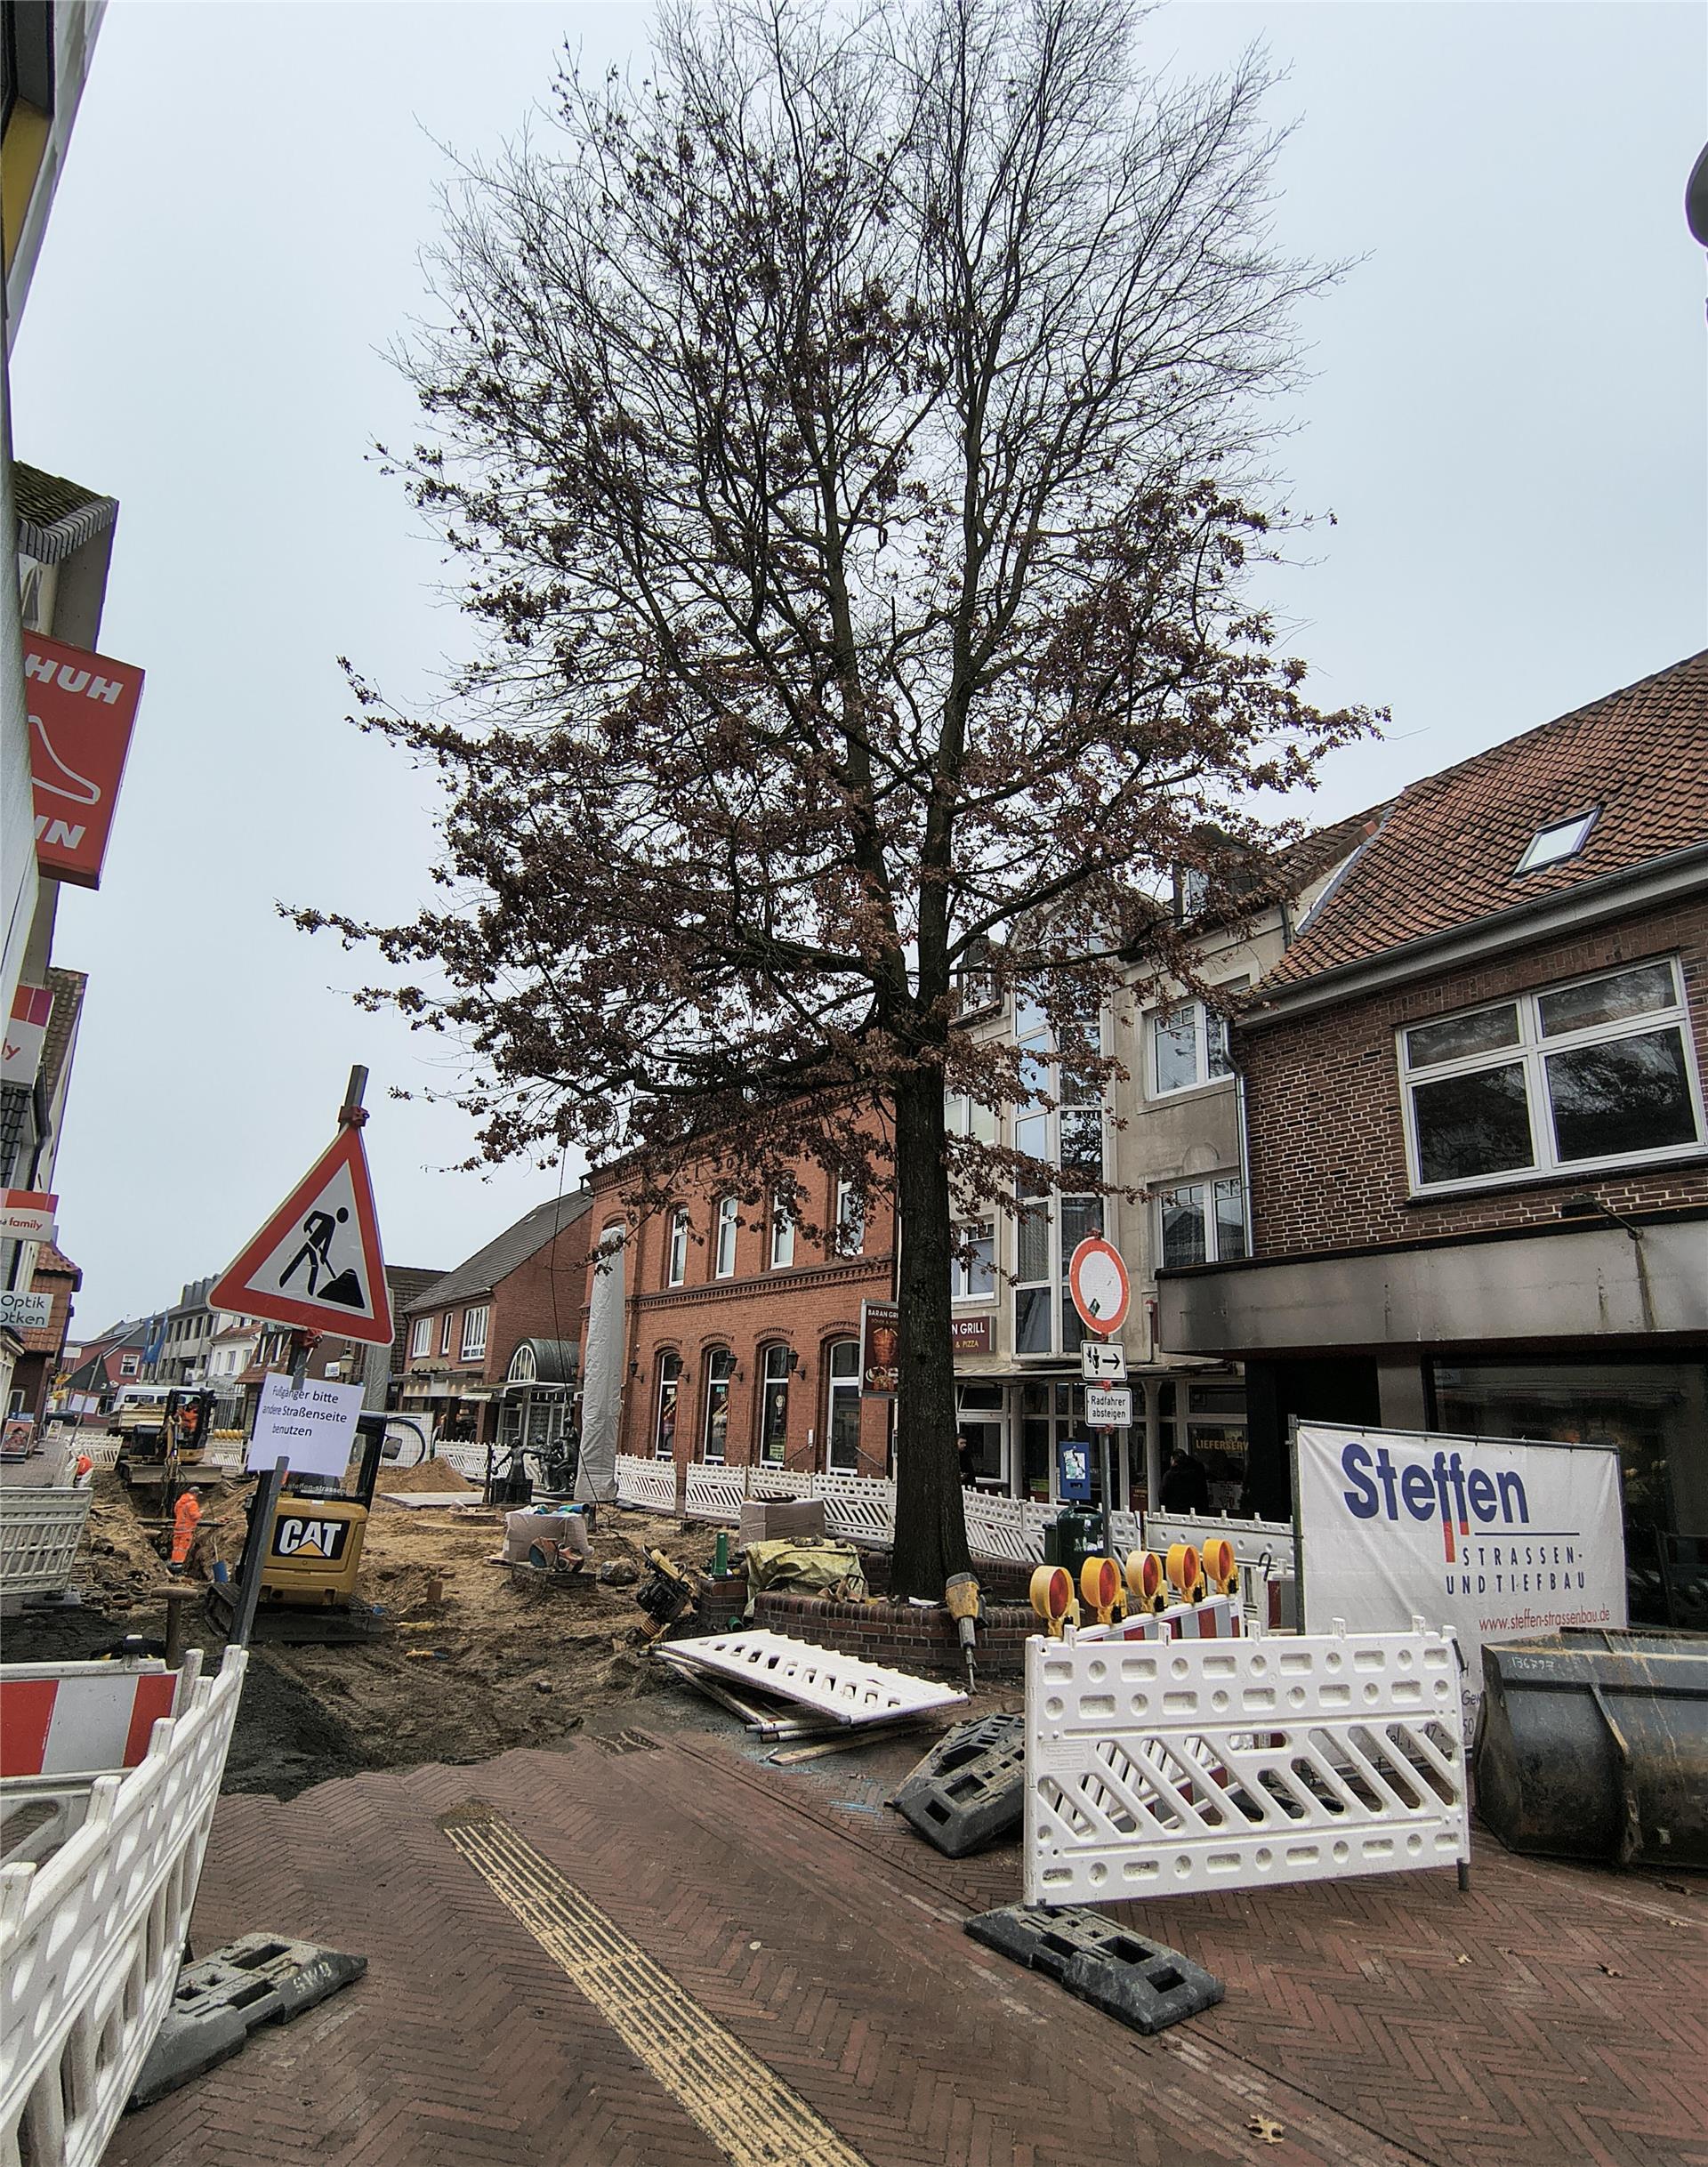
901 1635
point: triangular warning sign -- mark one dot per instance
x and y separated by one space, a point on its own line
316 1263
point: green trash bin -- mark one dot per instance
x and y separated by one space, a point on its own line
1074 1535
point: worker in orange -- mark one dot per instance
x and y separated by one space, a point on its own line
185 1514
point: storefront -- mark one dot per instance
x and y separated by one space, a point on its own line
537 1400
1014 1424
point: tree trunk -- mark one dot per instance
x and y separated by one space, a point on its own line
930 1526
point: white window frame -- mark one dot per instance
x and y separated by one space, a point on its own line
1575 832
847 1236
1205 1019
782 1235
671 1382
1529 1052
445 1332
129 1364
676 1258
474 1333
723 1261
728 1382
848 1386
775 1367
422 1342
960 1290
1209 1183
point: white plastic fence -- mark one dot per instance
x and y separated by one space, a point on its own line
1160 1768
1268 1543
468 1460
39 1533
90 1942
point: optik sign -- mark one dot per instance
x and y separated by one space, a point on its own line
1496 1537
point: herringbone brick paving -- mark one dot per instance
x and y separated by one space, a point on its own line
1349 2017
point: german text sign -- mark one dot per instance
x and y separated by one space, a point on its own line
1109 1406
1495 1537
314 1429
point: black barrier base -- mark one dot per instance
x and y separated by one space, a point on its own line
970 1788
261 1979
1140 1983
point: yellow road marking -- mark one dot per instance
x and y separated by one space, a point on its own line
753 2118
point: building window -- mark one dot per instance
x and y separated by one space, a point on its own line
474 1334
719 1367
848 1237
963 1116
1188 1048
774 1406
1056 1215
1596 1073
977 986
423 1342
127 1365
676 1263
782 1235
1203 1222
972 1271
445 1333
842 1413
664 1421
728 1218
1553 845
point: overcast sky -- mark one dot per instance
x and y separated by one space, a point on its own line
1507 420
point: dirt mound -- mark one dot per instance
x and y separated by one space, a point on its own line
425 1475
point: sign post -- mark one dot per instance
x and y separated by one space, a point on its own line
1102 1293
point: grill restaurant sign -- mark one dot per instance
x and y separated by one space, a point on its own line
1496 1537
82 708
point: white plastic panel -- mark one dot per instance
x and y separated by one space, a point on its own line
822 1678
90 1942
1164 1767
39 1533
1259 1542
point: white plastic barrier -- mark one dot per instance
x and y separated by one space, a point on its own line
1268 1543
1161 1767
39 1533
468 1460
651 1484
857 1509
90 1942
1005 1527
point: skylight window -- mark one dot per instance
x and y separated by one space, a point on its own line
1549 846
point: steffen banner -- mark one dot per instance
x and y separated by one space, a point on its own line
1495 1537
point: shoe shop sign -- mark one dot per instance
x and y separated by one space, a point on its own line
1496 1537
82 709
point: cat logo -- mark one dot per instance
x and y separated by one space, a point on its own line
297 1537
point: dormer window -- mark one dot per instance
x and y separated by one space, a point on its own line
1553 845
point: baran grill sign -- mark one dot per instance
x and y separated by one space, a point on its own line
82 709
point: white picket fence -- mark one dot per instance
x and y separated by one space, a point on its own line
861 1509
89 1940
1161 1767
39 1533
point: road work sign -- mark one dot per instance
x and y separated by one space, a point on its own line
316 1263
313 1428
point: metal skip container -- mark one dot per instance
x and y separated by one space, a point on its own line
1594 1744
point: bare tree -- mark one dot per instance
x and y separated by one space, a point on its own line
850 434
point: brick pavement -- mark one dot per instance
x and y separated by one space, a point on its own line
1349 2017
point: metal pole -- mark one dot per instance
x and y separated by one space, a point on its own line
355 1091
255 1552
1103 1477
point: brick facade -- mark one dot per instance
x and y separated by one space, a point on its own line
1327 1142
808 1307
542 1297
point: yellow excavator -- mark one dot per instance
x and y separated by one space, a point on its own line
310 1551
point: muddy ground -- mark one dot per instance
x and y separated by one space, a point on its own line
471 1658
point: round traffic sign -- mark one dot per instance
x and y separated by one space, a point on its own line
1097 1279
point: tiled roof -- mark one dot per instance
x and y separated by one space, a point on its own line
51 1258
1447 851
486 1266
56 517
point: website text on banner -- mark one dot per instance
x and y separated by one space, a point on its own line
1496 1537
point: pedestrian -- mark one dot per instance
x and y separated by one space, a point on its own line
1185 1485
966 1460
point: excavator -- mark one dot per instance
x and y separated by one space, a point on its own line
310 1553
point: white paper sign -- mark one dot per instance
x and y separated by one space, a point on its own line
1495 1537
315 1429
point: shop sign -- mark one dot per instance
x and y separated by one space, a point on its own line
1497 1538
26 1215
26 1032
82 710
880 1349
970 1334
25 1312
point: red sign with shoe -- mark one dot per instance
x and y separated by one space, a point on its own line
82 709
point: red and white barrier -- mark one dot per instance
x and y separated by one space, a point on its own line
84 1719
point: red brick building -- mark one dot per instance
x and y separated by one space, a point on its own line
742 1333
58 1278
1475 1120
465 1361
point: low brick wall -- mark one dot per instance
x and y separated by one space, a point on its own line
901 1634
